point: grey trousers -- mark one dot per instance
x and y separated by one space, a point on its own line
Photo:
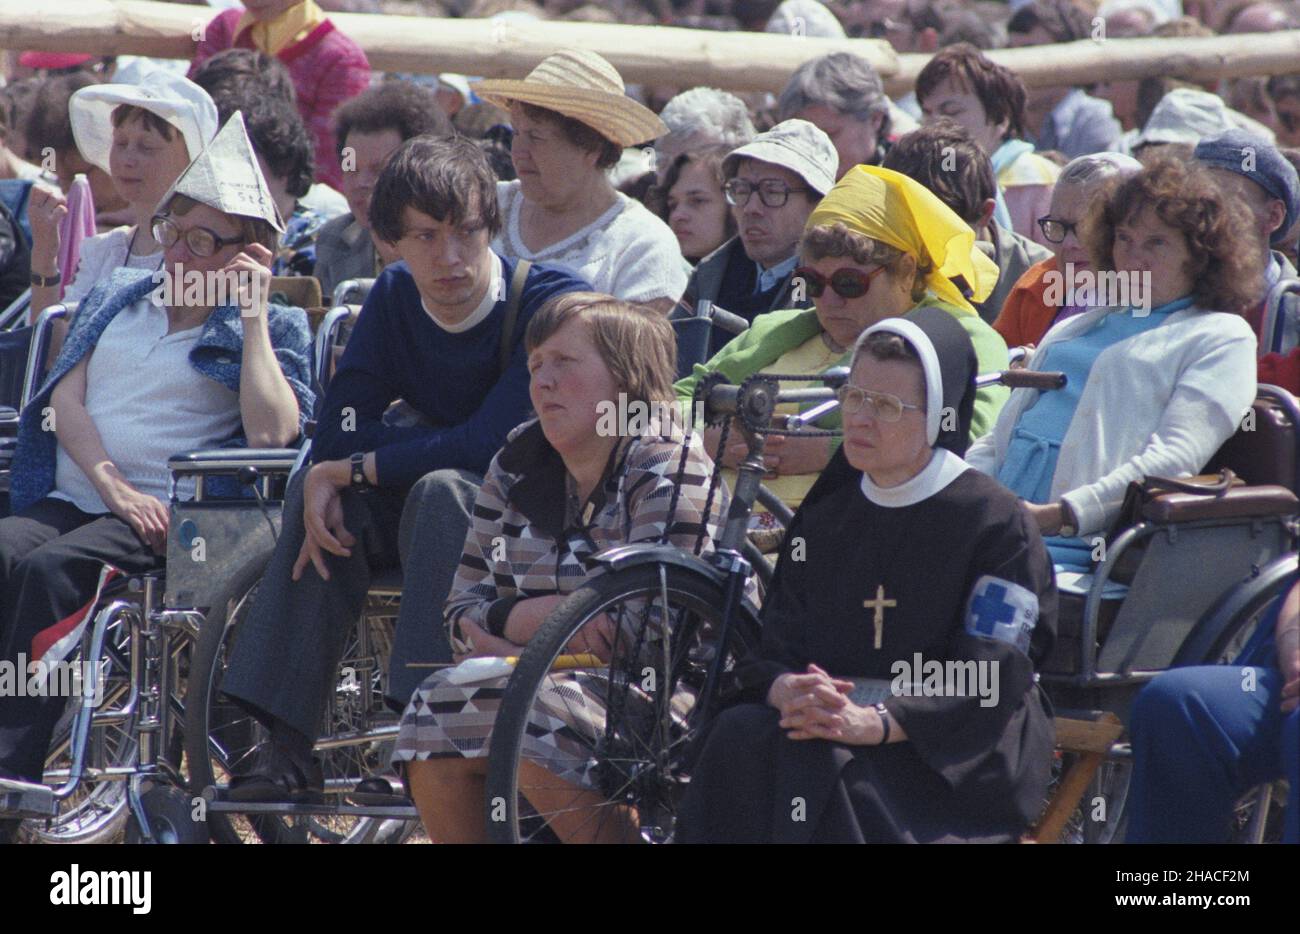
286 656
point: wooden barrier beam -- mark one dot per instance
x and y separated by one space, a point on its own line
737 61
487 48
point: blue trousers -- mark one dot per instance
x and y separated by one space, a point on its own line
1201 739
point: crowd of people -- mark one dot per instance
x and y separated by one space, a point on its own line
531 242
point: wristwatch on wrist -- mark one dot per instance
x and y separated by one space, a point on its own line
358 470
883 712
1069 522
46 281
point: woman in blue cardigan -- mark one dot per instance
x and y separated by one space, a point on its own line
150 368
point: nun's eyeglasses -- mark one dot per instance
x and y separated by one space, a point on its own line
200 240
879 405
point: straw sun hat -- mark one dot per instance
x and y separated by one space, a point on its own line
583 86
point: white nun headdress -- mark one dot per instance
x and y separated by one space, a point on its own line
226 176
950 366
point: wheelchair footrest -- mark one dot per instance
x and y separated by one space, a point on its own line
219 806
27 799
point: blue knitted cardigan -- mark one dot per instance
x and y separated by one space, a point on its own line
216 355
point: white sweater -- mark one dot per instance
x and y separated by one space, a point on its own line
627 252
1158 404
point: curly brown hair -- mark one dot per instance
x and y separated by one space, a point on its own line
836 239
1226 270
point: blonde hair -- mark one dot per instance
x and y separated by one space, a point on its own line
637 344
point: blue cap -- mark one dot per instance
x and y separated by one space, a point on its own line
1234 150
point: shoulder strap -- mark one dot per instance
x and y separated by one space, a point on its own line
512 315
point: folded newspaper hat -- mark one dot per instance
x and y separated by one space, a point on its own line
226 176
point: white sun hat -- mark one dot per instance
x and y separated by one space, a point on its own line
174 98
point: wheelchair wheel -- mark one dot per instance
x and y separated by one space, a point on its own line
97 811
171 816
615 737
221 737
1258 815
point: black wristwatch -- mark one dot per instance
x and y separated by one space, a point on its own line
1069 522
358 464
883 712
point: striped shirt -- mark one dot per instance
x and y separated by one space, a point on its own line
530 537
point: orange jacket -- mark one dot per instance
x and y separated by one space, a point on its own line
1025 317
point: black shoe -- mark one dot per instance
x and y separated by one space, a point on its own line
379 791
279 778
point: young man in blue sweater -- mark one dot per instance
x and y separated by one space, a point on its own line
434 333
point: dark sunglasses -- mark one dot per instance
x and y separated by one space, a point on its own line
846 282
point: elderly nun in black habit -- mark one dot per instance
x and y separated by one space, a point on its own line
893 697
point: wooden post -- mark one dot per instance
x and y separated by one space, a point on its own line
642 54
737 61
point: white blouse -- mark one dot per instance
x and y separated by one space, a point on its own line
627 252
148 403
100 255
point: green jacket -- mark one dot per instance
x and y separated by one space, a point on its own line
777 332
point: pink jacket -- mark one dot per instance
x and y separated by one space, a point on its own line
327 69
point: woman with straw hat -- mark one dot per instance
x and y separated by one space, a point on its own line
572 121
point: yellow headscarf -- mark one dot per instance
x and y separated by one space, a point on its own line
890 207
277 34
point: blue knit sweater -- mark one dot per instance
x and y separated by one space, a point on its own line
217 356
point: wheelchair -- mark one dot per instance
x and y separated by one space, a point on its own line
1187 584
358 728
135 761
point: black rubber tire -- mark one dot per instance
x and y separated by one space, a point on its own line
198 700
686 588
1214 635
269 829
170 812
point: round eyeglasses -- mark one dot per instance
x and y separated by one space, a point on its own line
199 240
772 192
846 282
879 405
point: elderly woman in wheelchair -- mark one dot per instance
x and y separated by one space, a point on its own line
876 246
139 380
565 486
1160 375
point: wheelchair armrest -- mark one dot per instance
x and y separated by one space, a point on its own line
228 460
1245 502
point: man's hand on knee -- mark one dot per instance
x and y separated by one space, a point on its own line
322 514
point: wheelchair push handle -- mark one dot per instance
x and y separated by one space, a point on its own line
1023 379
732 324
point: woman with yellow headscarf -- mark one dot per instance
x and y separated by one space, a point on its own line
878 245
